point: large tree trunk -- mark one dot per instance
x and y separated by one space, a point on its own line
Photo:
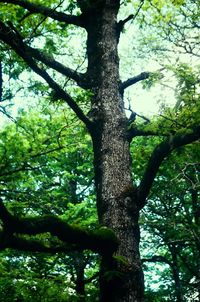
116 197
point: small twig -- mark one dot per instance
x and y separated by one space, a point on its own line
3 111
138 10
25 16
143 117
170 119
134 114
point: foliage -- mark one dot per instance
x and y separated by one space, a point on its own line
171 221
43 171
46 155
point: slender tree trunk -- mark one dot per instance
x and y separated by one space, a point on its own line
175 272
116 196
79 282
196 215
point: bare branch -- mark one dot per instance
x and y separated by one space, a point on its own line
50 61
131 81
27 167
157 258
138 10
10 38
89 280
80 78
132 17
48 12
147 120
23 167
172 120
102 240
121 23
157 157
142 76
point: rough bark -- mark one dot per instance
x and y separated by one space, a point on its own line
116 198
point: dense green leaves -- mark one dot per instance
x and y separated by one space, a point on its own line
43 171
46 155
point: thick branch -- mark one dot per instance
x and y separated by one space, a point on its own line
157 157
50 62
44 58
131 81
47 12
30 245
133 132
142 76
102 241
157 259
10 38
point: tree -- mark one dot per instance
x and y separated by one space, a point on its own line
172 209
32 182
171 217
119 198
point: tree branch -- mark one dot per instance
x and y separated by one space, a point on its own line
102 240
157 258
80 78
121 23
131 81
157 157
30 245
142 76
27 167
47 12
131 17
134 132
12 39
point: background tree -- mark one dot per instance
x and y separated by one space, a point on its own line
169 217
34 184
120 194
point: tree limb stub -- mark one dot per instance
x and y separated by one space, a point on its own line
102 240
47 12
121 24
157 157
